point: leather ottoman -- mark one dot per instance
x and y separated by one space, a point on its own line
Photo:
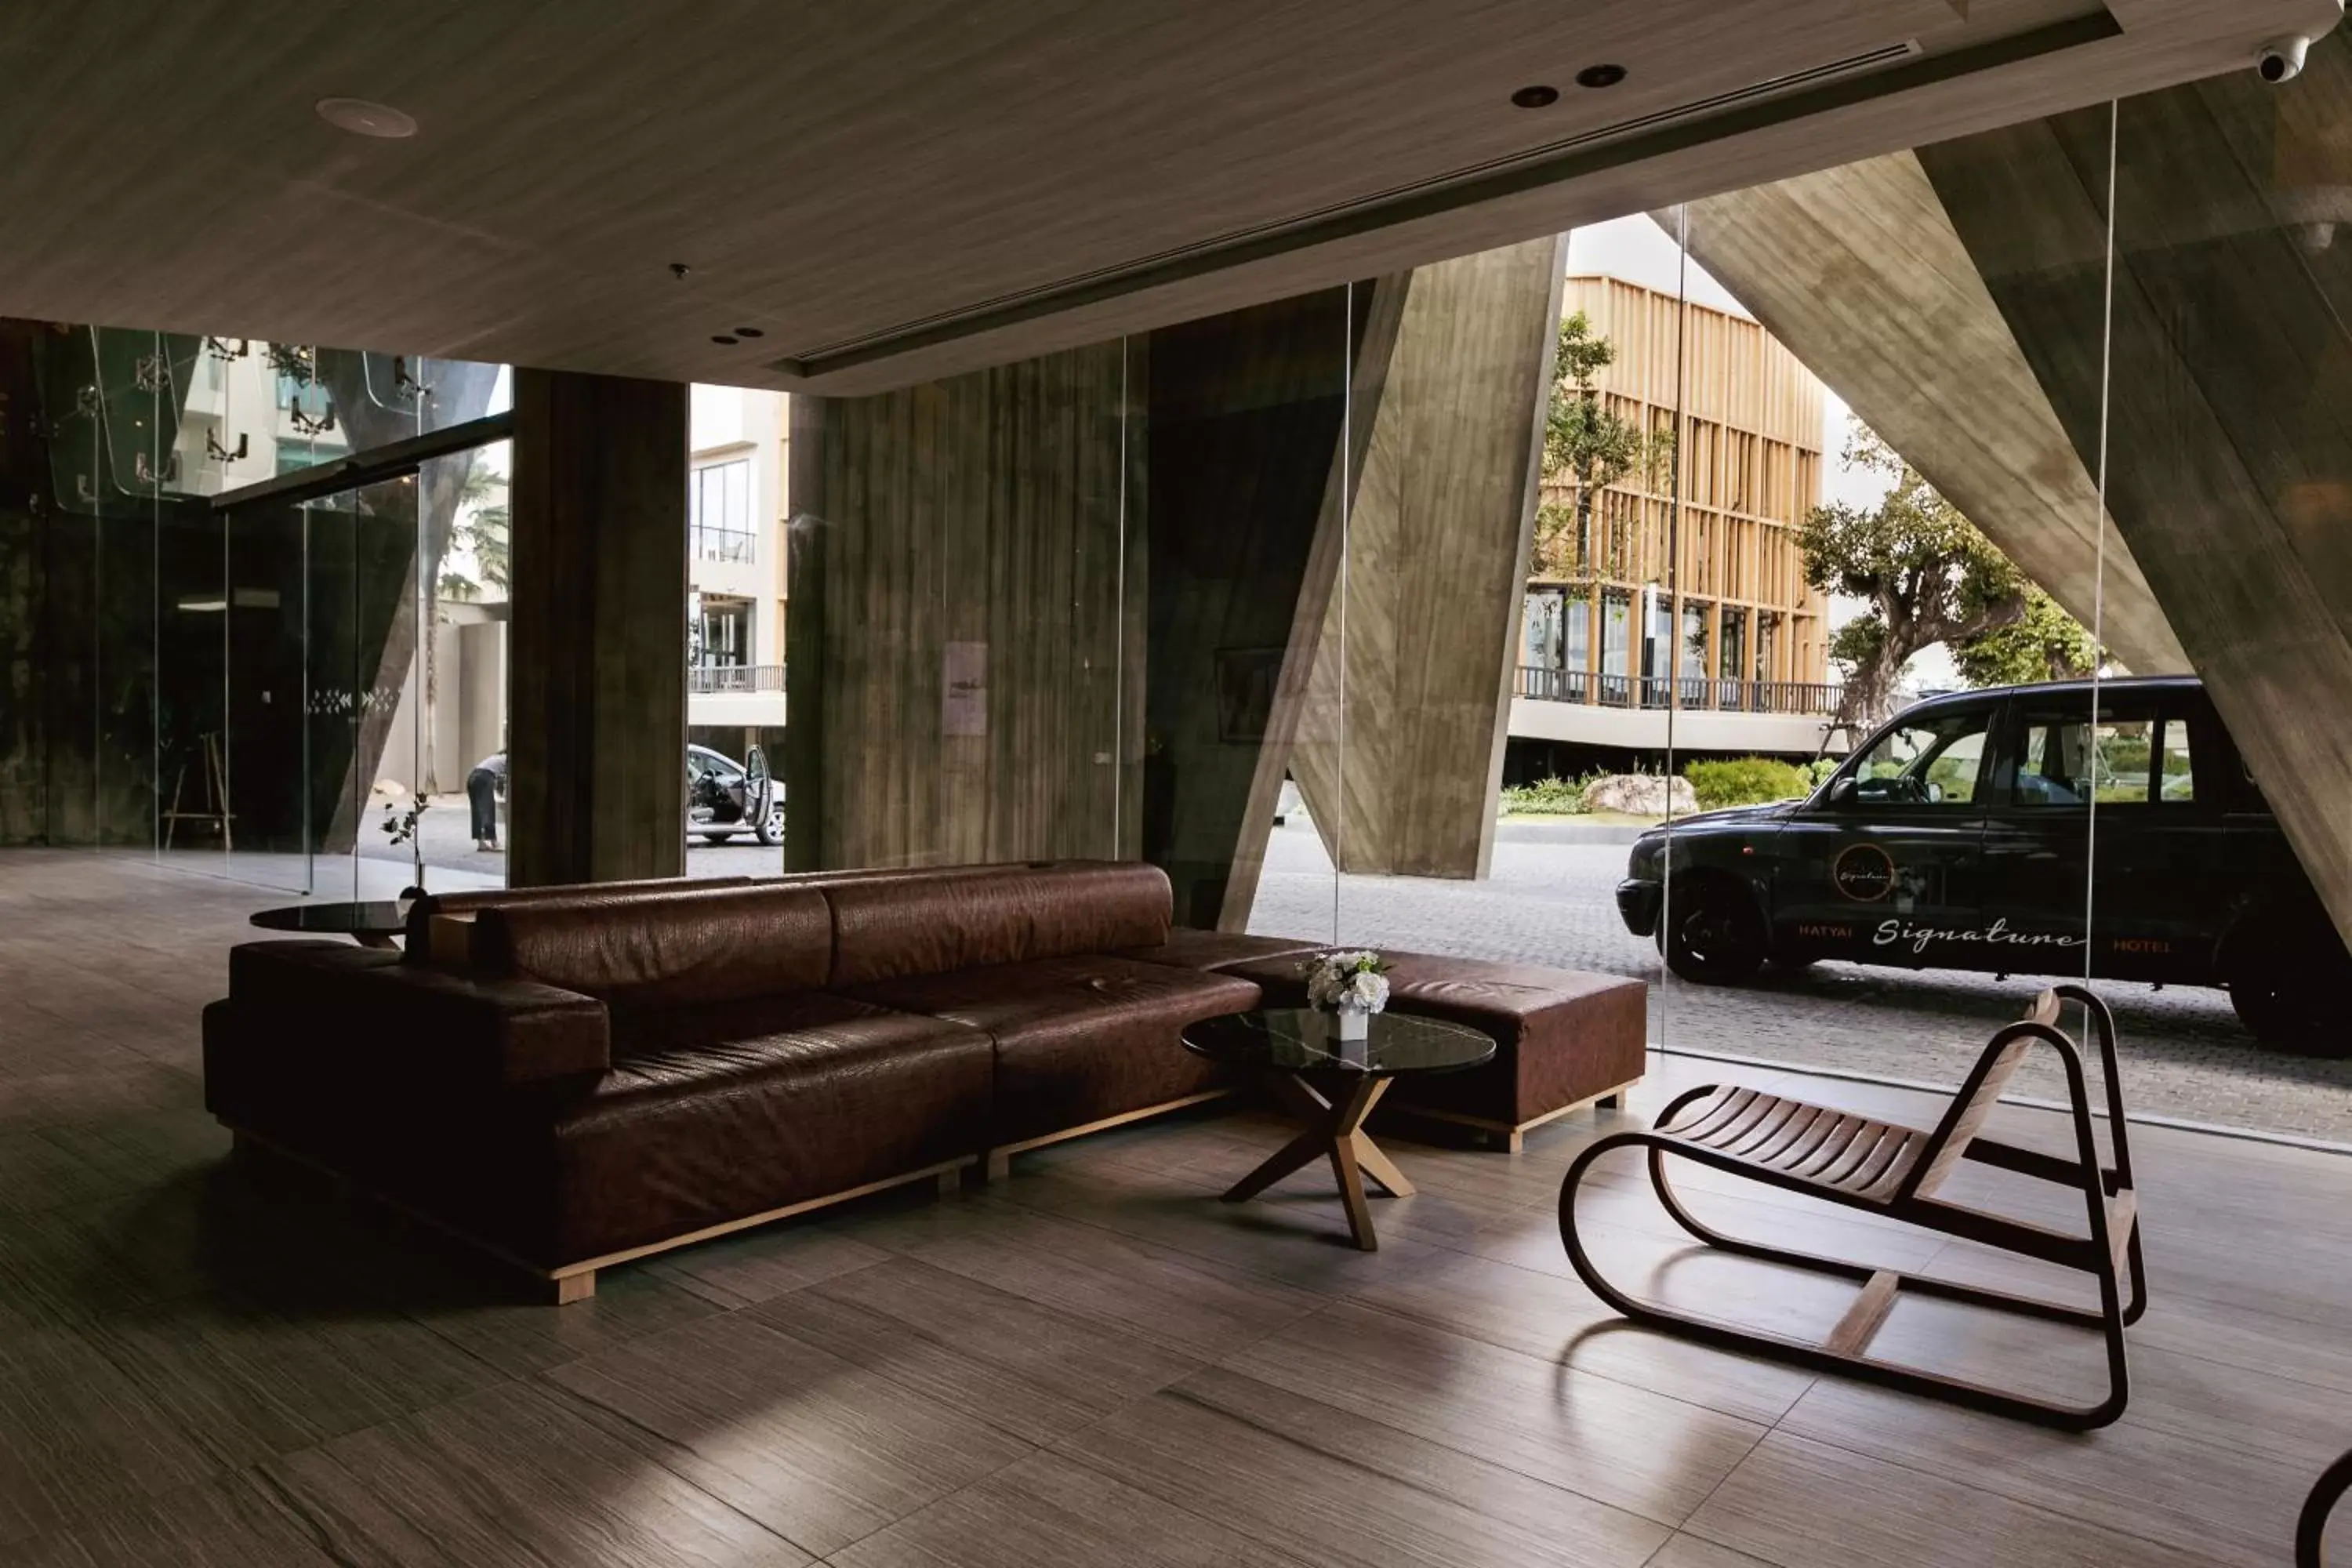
1563 1039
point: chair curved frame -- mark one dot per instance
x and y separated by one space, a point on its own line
1895 1172
2333 1482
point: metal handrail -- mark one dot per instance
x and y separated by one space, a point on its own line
703 680
1698 692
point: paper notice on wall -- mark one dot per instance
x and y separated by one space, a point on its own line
964 689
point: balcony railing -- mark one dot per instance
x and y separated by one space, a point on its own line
1693 692
702 679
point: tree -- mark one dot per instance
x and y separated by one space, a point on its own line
2045 643
1585 444
479 534
1927 575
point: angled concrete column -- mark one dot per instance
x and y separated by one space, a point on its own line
1860 272
2229 412
596 774
1400 744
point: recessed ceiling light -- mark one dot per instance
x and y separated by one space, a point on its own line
1601 76
750 332
722 339
1535 97
360 118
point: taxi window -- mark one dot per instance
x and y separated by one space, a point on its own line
2063 760
1932 762
2177 780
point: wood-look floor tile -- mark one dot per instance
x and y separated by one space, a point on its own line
223 1524
37 1172
77 1435
1048 1511
1609 1441
244 1383
1690 1551
1036 1371
1544 1315
1295 1234
759 1264
519 1338
1186 1303
820 1451
1669 1267
87 1082
1328 1487
2177 1469
1803 1504
518 1474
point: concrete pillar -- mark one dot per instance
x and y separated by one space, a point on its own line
596 774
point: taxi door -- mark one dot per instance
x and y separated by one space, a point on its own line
1882 867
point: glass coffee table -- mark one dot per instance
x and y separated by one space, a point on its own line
371 922
1331 1084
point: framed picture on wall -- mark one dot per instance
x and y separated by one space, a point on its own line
1247 680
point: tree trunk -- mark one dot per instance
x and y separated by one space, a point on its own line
1868 699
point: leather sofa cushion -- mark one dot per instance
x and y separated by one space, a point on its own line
884 929
1561 1036
1079 1037
720 1111
1188 948
335 1013
468 900
711 944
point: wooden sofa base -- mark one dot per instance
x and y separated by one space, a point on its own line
1514 1134
998 1160
577 1281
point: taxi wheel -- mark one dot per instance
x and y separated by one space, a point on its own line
2282 1007
1718 938
770 831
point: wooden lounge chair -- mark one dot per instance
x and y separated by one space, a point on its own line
1884 1168
2312 1527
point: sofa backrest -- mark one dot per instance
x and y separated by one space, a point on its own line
467 900
980 916
664 949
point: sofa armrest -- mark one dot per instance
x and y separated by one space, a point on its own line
495 1032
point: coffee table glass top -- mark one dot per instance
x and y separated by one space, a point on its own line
337 918
1299 1039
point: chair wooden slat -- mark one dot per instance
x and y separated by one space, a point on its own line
1892 1170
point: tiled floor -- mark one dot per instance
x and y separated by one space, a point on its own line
1093 1362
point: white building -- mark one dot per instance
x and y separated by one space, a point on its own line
733 618
735 559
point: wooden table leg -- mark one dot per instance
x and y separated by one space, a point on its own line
1334 1130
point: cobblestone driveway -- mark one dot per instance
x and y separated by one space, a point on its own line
1551 903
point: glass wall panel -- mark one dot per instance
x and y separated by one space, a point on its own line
1880 491
2219 815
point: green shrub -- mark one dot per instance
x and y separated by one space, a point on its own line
1561 796
1746 781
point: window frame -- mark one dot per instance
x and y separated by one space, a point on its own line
1993 716
741 545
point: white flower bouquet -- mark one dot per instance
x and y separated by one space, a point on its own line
1352 985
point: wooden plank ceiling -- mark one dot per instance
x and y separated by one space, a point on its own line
896 189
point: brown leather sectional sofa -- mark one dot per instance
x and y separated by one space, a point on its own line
573 1077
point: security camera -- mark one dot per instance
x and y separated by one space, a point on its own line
2282 60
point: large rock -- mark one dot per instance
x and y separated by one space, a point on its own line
1640 794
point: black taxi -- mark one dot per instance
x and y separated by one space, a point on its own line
1964 836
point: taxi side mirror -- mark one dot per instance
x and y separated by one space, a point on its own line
1842 790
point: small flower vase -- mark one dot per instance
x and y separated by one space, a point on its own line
1355 1021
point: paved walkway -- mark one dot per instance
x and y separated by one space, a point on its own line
1551 902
